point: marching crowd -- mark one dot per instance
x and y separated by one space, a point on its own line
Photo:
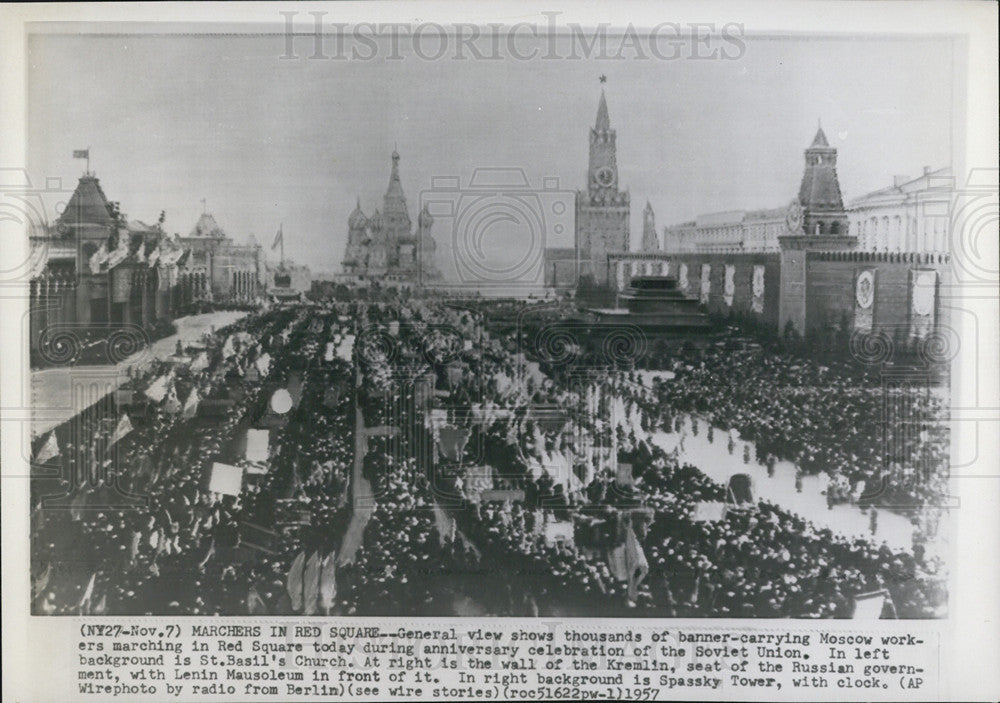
558 527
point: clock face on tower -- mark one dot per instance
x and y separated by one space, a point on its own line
605 176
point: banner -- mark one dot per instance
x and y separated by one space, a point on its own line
452 441
257 446
121 279
226 479
514 495
624 474
757 302
868 606
706 283
729 285
559 531
923 300
709 511
682 277
864 300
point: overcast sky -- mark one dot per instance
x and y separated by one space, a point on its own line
173 119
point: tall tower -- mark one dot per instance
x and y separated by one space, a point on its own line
602 209
650 242
397 219
819 195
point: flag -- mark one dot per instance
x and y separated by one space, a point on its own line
88 592
200 362
81 153
294 583
279 238
123 428
310 584
255 604
635 562
41 582
49 450
99 258
157 390
328 582
191 405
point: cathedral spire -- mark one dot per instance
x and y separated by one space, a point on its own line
394 182
603 121
820 139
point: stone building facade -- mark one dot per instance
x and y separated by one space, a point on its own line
911 215
100 278
817 211
221 269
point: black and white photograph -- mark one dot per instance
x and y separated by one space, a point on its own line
527 318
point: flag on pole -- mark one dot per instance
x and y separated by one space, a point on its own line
88 593
123 428
294 582
310 584
81 153
49 450
191 405
328 582
157 390
635 561
255 604
279 238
